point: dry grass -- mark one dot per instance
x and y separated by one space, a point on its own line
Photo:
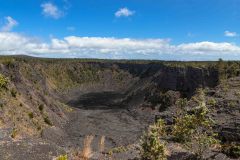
86 153
102 144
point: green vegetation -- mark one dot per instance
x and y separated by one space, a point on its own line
47 121
232 104
164 99
14 133
30 115
232 150
41 107
117 150
13 93
1 105
8 61
62 157
184 126
212 102
194 130
3 82
151 146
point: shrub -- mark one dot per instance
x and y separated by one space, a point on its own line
212 102
14 93
151 146
195 130
62 157
232 150
165 101
117 150
47 121
1 105
232 104
9 62
200 142
14 133
30 115
181 104
184 126
41 107
3 81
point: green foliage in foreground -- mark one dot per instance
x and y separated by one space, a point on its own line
3 81
194 130
232 150
62 157
151 146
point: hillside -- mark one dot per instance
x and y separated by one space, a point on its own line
48 106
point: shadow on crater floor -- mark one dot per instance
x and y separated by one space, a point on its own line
98 100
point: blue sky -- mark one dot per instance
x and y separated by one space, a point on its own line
129 29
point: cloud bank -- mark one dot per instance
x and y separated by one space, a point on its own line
115 48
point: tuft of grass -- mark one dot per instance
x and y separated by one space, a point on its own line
47 121
14 133
3 81
212 102
232 150
41 107
87 149
9 62
13 93
232 104
62 157
120 149
30 115
102 144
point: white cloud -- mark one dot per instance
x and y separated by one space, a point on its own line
124 12
51 10
10 23
230 34
121 48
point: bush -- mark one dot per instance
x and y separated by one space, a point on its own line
212 102
14 93
151 146
9 62
195 130
62 157
200 142
3 81
47 121
41 107
30 115
165 101
232 150
184 126
14 133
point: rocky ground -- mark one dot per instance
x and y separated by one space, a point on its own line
50 106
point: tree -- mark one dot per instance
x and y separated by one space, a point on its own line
151 146
194 129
